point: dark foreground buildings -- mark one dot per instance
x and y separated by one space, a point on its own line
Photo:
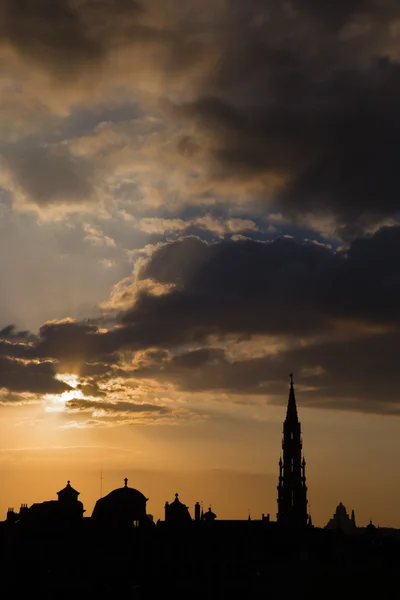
51 550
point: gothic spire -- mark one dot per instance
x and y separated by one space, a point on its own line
292 488
291 413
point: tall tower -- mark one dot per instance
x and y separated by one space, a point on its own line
292 489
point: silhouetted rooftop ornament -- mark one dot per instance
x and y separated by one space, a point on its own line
370 528
177 512
209 515
291 413
68 491
177 501
126 482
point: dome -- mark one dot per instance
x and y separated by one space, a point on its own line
341 509
177 512
370 528
209 516
126 494
125 503
68 492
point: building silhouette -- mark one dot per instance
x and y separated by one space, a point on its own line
122 507
177 513
66 510
341 520
292 489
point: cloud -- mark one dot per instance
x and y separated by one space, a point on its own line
66 36
265 103
10 332
157 225
115 407
303 298
46 174
242 288
71 38
305 103
276 287
38 378
342 374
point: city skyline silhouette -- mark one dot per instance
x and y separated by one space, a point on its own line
198 198
293 510
120 548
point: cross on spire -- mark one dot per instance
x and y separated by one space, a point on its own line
291 413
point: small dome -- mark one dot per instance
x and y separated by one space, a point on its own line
177 512
68 491
209 515
370 528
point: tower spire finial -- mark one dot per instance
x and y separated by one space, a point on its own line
291 413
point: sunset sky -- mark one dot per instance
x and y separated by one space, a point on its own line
198 197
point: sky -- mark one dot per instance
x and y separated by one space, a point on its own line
196 199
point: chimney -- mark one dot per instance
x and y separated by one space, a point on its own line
197 511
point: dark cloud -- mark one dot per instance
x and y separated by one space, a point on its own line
66 36
7 398
302 99
30 377
91 389
336 311
10 332
49 175
69 37
355 374
283 287
115 407
241 287
305 101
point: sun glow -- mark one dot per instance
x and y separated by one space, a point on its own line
69 378
56 402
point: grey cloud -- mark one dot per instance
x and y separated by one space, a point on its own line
244 288
68 38
65 35
241 287
115 407
31 377
302 99
11 398
282 286
10 332
295 103
347 374
50 174
91 389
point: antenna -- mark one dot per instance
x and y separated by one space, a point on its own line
101 481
